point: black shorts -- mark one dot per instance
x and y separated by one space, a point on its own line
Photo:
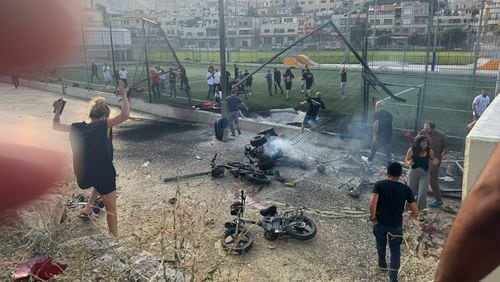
288 86
104 183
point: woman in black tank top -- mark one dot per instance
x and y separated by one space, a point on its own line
418 159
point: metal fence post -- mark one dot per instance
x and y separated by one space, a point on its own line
224 78
147 61
112 53
427 56
418 115
477 47
84 45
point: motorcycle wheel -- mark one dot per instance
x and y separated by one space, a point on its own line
259 179
300 227
271 236
237 243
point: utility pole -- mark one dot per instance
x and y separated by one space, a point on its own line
477 44
146 58
224 78
426 73
348 32
434 57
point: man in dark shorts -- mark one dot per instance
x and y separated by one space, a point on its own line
312 113
172 80
277 81
387 205
93 153
382 133
343 81
93 69
248 82
308 77
234 103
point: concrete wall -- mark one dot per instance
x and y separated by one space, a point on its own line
161 110
479 146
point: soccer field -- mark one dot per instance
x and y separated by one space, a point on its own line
447 98
330 57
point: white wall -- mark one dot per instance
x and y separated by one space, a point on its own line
479 146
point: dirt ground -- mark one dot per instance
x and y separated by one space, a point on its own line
186 235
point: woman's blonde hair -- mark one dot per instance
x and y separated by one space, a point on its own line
99 110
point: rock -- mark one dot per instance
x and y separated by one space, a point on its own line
146 163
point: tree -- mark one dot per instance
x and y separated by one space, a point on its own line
455 37
358 35
416 39
496 30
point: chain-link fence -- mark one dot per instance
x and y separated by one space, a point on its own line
438 73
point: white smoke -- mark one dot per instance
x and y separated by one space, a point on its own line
276 145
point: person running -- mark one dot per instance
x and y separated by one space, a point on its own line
210 81
106 74
479 105
312 113
92 148
172 80
288 77
382 133
234 103
387 205
419 157
308 77
269 80
123 74
343 81
248 82
93 70
155 82
277 81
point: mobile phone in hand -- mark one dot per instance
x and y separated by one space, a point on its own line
63 102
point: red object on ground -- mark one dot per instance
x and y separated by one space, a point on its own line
40 267
27 172
34 33
208 105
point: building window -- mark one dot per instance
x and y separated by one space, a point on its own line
291 39
279 40
189 34
266 30
387 22
244 43
331 1
199 34
291 30
323 1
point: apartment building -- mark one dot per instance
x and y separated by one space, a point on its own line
278 32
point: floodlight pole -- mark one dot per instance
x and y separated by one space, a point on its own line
112 53
224 78
147 60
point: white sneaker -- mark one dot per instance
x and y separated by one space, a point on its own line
365 159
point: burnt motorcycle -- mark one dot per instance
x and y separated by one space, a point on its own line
238 239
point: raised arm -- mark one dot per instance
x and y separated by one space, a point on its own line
471 251
56 121
409 157
125 112
373 208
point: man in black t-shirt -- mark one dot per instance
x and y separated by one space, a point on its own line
386 212
382 133
172 80
312 113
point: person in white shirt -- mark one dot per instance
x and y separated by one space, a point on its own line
480 104
210 81
123 76
106 74
217 76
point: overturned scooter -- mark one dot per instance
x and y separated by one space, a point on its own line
238 239
238 170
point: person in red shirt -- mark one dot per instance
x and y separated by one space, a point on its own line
155 81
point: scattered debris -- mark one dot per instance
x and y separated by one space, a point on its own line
38 268
198 157
447 179
146 163
172 201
